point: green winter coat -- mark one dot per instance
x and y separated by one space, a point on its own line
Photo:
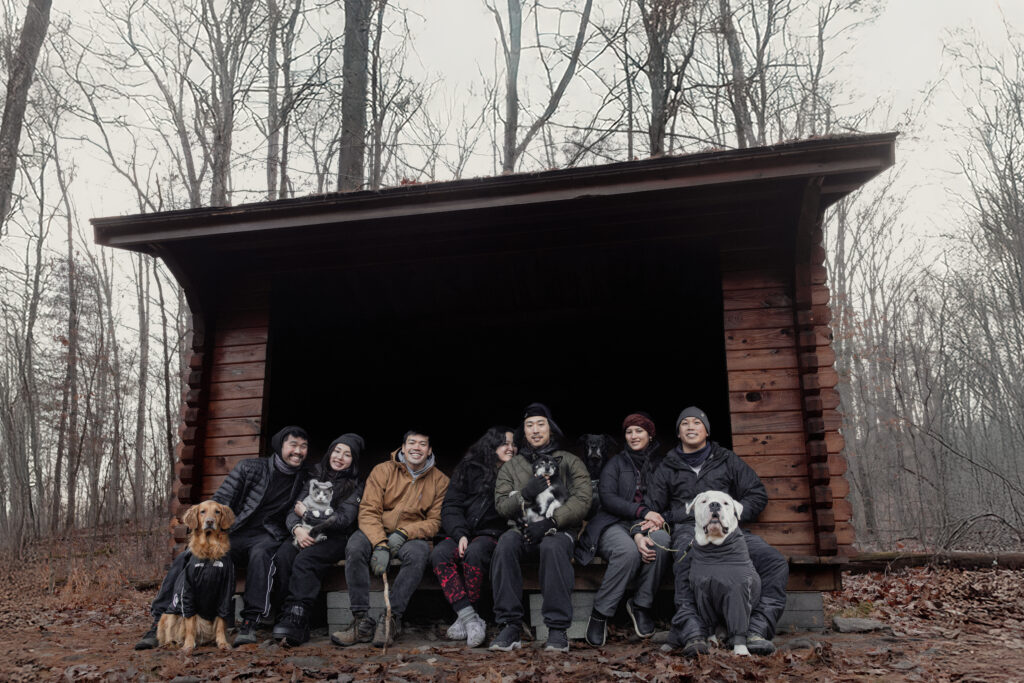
514 474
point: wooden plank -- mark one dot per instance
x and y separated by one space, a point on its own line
778 465
797 487
761 338
843 510
220 465
768 423
240 337
223 391
239 354
769 297
210 484
237 372
761 401
786 511
814 578
247 407
761 359
819 295
835 442
239 426
230 445
755 279
756 380
237 317
769 444
767 317
780 535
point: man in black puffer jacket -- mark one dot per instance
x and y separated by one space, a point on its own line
261 492
698 465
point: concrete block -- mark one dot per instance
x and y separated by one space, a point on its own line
582 605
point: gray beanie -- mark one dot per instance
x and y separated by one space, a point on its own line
693 411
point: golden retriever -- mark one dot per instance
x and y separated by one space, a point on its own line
208 524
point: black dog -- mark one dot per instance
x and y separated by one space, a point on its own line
595 450
551 498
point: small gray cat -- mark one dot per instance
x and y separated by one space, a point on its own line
318 508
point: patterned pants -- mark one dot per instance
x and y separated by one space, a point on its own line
462 578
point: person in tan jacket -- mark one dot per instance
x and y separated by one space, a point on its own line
399 514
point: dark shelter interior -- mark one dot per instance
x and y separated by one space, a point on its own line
451 344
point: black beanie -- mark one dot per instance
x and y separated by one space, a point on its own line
693 411
537 410
354 442
277 440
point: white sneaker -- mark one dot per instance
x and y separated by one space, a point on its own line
457 631
476 631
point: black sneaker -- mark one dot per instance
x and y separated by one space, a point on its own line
558 640
643 624
148 641
759 645
246 633
696 646
293 626
509 639
597 630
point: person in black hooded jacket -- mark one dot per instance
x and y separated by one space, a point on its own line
301 561
694 466
472 527
261 493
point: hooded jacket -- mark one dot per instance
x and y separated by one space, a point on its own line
246 485
675 484
392 500
514 474
347 493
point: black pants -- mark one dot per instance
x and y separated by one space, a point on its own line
250 548
556 578
301 571
771 566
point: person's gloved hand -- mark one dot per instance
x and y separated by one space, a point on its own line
379 559
535 531
396 540
532 488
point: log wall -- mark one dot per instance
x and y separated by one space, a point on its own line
771 362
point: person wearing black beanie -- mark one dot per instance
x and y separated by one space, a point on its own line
261 493
695 465
302 561
551 539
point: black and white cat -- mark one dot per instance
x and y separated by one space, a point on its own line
551 498
318 508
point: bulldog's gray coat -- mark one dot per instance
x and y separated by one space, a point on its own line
724 582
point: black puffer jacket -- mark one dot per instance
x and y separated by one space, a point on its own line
245 487
617 487
675 484
471 513
345 503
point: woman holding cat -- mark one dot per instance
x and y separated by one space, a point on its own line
472 525
622 486
301 561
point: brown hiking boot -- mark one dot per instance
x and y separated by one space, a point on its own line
382 639
360 631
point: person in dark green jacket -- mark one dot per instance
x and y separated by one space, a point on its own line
551 539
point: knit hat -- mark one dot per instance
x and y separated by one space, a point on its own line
537 410
641 420
693 411
277 440
353 441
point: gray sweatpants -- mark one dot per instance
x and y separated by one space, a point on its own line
619 550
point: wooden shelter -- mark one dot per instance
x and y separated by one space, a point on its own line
649 285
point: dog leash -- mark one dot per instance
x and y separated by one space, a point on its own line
668 529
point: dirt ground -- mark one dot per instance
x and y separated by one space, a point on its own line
939 625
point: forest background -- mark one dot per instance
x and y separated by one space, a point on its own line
136 106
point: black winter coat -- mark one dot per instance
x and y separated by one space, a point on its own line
470 513
245 487
206 588
346 512
675 484
617 488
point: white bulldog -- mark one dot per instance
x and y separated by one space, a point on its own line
722 577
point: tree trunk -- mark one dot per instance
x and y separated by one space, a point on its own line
21 70
139 475
738 89
354 71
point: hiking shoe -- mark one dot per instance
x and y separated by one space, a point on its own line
148 640
457 631
759 645
476 631
696 646
509 639
597 630
643 623
558 640
359 631
246 633
387 631
293 626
